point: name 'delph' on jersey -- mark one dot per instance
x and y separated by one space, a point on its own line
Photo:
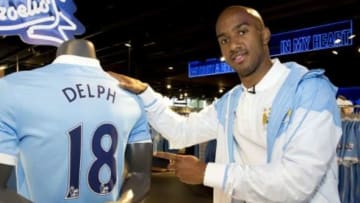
82 91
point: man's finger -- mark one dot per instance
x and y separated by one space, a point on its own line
166 155
118 76
113 74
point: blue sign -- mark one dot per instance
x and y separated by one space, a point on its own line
212 66
40 22
321 37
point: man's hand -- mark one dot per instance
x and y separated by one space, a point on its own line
134 85
189 169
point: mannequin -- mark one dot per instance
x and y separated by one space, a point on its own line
7 195
138 156
138 178
78 47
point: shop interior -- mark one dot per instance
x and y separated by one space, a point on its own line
156 40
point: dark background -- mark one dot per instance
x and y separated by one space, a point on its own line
172 33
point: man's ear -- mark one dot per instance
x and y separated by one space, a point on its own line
266 35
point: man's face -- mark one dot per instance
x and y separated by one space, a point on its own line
241 40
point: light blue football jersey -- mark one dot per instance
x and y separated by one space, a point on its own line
66 126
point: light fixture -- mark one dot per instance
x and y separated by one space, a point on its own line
3 67
334 52
337 41
351 36
128 44
149 44
170 68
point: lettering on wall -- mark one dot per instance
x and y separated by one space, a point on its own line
321 37
212 66
41 22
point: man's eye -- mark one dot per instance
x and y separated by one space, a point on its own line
224 41
241 32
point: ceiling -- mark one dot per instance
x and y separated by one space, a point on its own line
172 33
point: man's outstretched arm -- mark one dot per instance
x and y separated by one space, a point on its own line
188 168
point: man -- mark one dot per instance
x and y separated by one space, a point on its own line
276 132
69 131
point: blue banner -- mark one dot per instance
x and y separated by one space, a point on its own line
321 37
212 66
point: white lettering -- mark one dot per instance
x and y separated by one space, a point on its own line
22 11
2 13
11 13
31 8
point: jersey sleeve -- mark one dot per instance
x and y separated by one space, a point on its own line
8 136
141 130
